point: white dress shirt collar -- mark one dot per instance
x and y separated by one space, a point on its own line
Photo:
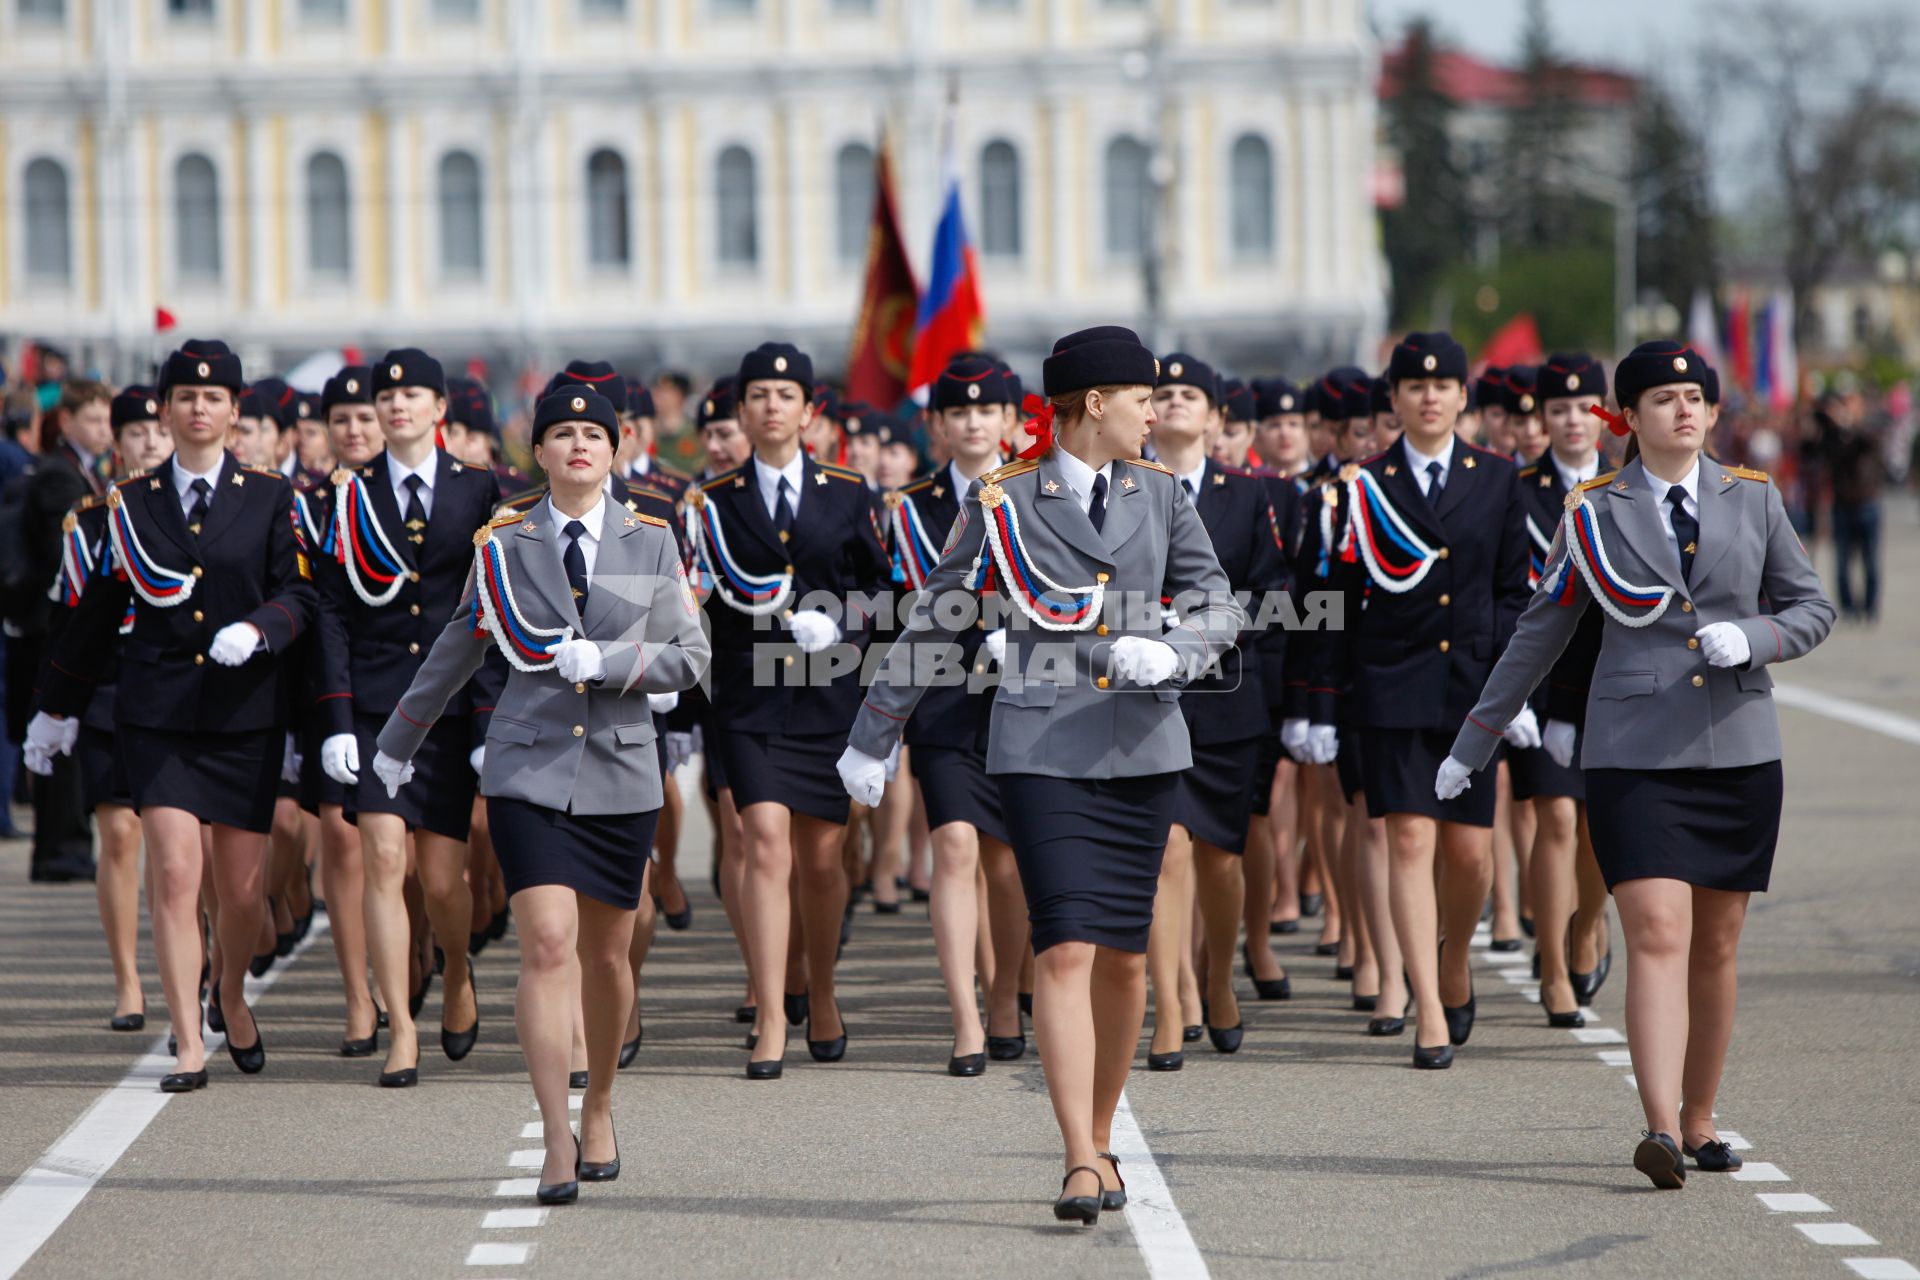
1689 482
592 525
1570 478
183 482
769 478
958 480
1419 461
398 471
1191 480
1079 476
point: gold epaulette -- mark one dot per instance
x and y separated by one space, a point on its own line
671 473
268 471
93 500
841 473
1529 471
725 477
1597 482
925 482
655 520
1150 465
519 502
637 489
1018 467
1748 473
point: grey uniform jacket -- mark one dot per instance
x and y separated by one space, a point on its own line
1056 712
584 748
1655 702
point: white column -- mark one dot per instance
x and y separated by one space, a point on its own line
1319 189
1062 198
258 216
404 185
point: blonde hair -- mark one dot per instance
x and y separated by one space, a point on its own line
1071 406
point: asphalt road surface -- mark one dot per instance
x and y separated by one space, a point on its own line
1315 1151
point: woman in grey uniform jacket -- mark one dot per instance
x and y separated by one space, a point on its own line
1681 745
590 606
1086 737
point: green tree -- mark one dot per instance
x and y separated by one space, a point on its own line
1534 207
1677 245
1427 235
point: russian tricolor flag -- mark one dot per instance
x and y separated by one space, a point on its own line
951 318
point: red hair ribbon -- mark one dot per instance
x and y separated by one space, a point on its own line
1616 423
1039 426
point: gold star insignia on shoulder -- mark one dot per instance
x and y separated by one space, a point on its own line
1726 477
1621 487
739 482
632 505
939 492
238 478
1468 463
154 484
366 471
531 526
819 477
632 523
1052 486
1126 482
1219 478
1392 470
456 468
1546 482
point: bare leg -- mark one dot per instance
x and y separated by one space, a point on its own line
1512 842
116 888
983 966
645 921
1166 941
546 919
1552 880
1366 977
955 912
1588 932
823 897
1258 898
1118 990
1220 888
888 825
1410 856
1063 1024
606 988
343 880
1008 920
383 845
1374 886
239 878
175 863
767 904
1331 815
730 846
443 879
1466 870
1658 918
1712 984
1283 816
666 849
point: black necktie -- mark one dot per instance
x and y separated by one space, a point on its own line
1097 509
416 510
575 561
783 511
202 496
1686 531
1188 486
1434 485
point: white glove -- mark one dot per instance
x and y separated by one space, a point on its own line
1139 660
864 777
814 631
1558 739
1323 743
997 645
395 773
1523 730
1293 738
578 661
893 762
679 749
1723 644
38 762
234 643
661 703
1452 779
478 758
53 737
290 762
340 759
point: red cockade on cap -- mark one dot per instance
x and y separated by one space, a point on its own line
1039 426
1616 423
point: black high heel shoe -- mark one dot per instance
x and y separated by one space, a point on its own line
128 1022
827 1050
253 1059
967 1065
216 1020
1280 988
418 999
1386 1026
1227 1039
794 1005
577 1079
1574 1019
1460 1018
1113 1200
631 1049
1365 1004
497 927
183 1081
562 1192
1006 1048
1435 1059
746 1013
477 942
601 1170
1587 985
764 1069
1659 1158
1082 1209
1192 1034
405 1078
458 1044
1310 903
1026 1003
361 1048
1276 927
1167 1061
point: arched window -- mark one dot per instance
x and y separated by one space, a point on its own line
607 210
735 199
1000 200
1129 197
462 250
329 232
852 201
1252 197
196 219
49 234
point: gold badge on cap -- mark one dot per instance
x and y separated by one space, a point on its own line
579 404
779 364
1286 403
853 425
973 391
204 369
1156 366
152 407
1431 363
1174 370
394 371
1679 364
306 410
709 408
1526 404
353 386
1573 382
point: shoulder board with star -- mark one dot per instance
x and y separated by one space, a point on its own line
1018 467
502 521
269 472
524 501
840 473
644 518
132 480
1150 465
919 486
93 500
723 479
1599 481
1748 473
639 490
1529 471
672 473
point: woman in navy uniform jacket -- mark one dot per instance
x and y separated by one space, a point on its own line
1434 575
786 540
402 535
1704 584
1086 741
207 553
947 735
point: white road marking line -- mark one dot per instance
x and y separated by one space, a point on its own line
498 1255
1617 1057
1598 1035
1760 1171
1158 1229
42 1198
532 1158
533 1129
1792 1202
573 1101
517 1187
511 1219
1859 714
1833 1233
1883 1269
1734 1141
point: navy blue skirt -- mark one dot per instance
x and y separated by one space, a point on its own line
1214 798
1398 766
1268 760
1089 853
439 798
1535 775
229 779
1346 764
600 856
801 773
1712 828
955 788
102 779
